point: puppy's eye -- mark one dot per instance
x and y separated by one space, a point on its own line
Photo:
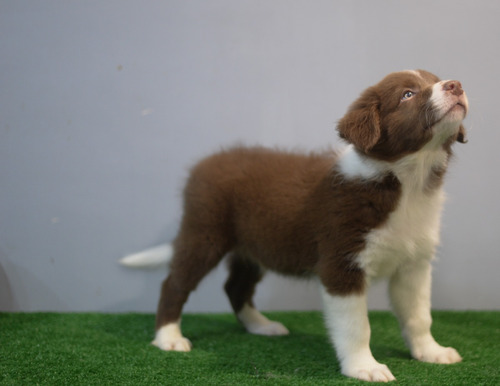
407 95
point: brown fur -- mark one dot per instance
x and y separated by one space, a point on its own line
294 213
287 212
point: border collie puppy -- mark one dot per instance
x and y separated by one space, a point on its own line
348 218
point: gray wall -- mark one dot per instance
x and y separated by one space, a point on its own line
105 104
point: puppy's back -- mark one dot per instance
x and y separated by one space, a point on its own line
257 176
260 202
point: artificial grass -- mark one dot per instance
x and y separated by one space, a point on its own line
72 349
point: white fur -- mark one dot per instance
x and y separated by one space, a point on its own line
150 258
347 321
256 323
412 230
410 291
437 98
169 338
352 165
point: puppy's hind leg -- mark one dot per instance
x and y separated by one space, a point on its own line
191 262
240 286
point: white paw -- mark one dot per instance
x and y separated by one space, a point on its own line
181 344
370 371
256 323
437 354
270 328
169 338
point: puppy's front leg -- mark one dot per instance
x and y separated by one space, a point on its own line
347 321
410 290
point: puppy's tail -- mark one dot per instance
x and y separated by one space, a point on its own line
150 258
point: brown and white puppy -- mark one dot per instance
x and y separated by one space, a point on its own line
349 218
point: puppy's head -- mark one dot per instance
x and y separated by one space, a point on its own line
405 112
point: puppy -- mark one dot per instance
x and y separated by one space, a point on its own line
371 211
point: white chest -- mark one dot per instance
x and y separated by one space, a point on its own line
412 230
410 233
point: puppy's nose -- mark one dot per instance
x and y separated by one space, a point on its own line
453 86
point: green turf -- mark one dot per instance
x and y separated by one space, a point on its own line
71 349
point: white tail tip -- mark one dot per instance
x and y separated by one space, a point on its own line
150 258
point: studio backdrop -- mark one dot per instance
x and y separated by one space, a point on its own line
104 106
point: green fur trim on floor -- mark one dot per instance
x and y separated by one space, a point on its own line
72 349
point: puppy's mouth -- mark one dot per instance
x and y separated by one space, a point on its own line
457 111
458 106
452 114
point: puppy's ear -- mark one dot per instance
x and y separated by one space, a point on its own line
361 124
462 135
